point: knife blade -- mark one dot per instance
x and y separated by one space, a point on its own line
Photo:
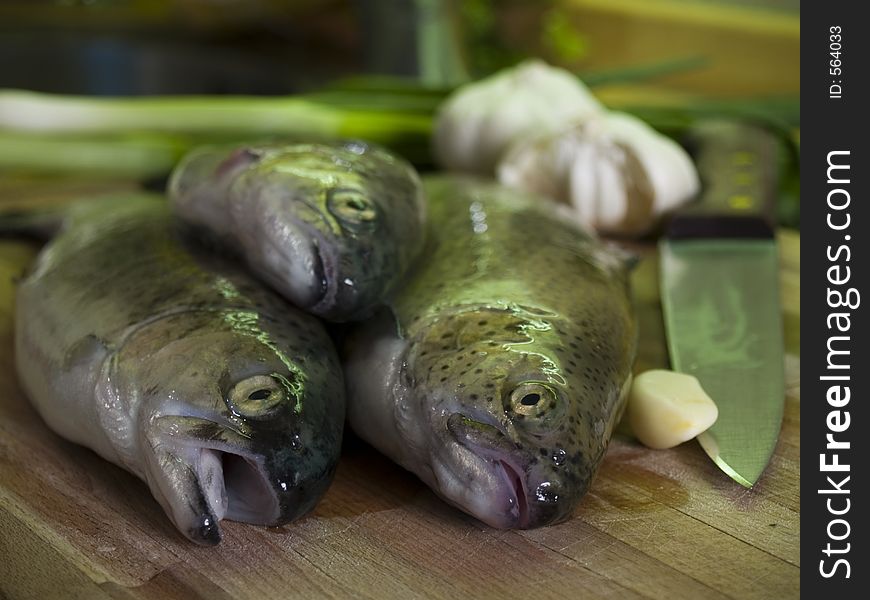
720 296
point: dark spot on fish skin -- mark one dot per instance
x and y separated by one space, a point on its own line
473 396
489 385
543 451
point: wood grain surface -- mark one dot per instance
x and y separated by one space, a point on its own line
655 524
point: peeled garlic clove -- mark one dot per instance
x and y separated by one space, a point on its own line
477 123
619 174
666 408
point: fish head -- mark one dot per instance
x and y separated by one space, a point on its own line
515 433
331 226
238 427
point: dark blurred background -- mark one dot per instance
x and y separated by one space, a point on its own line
120 47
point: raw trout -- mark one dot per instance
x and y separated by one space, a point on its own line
500 372
332 227
224 398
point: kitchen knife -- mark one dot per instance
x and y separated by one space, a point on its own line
720 293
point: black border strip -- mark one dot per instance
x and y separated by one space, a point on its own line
834 123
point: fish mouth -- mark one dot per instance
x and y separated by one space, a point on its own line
325 271
219 484
341 298
517 484
295 264
243 492
202 472
308 277
336 290
504 481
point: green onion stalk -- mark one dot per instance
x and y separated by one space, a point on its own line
132 155
144 135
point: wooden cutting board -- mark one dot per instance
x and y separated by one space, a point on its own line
655 524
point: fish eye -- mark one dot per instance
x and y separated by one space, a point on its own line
255 396
351 207
261 394
531 399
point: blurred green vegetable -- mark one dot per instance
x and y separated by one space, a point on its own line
137 155
144 136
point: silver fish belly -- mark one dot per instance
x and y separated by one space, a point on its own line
332 227
226 400
504 364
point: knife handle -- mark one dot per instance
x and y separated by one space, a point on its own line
738 166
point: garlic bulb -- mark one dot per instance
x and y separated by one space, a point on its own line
477 123
618 173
